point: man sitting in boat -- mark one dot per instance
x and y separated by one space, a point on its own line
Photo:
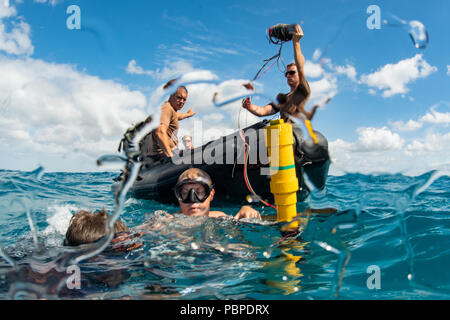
163 140
294 102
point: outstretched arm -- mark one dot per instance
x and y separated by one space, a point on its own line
258 111
182 116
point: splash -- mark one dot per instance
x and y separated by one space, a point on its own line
321 231
401 204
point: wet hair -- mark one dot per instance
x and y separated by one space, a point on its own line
87 227
193 173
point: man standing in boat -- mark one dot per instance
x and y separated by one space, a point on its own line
163 140
294 102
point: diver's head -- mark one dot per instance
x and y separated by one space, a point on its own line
87 227
194 191
291 75
178 99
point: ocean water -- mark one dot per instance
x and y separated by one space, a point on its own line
390 239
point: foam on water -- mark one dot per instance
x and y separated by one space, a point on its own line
59 221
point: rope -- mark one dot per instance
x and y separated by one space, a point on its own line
247 181
277 56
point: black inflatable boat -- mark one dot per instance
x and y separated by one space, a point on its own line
223 159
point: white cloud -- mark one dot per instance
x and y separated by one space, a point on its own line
376 139
436 117
322 89
316 55
347 70
312 70
393 79
133 68
173 70
327 86
14 40
448 69
57 110
433 142
378 150
411 125
431 117
371 152
170 70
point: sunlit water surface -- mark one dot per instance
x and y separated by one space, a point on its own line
396 223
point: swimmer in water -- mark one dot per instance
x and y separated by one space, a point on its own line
86 227
195 191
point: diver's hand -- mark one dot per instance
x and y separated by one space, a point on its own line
246 103
298 33
247 212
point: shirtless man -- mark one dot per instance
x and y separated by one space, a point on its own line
294 102
161 141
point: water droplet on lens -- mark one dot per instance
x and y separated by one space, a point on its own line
418 33
416 29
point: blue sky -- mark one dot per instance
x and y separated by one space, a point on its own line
67 95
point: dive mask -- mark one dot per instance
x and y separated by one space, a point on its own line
193 190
